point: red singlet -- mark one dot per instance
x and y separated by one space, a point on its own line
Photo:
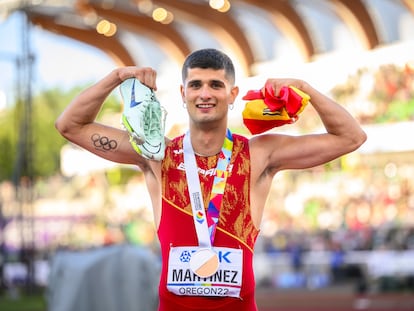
235 227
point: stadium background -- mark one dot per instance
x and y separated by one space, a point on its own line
341 234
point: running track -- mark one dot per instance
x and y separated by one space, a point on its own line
274 300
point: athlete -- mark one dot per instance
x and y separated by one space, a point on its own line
209 186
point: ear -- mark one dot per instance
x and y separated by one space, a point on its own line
182 93
234 92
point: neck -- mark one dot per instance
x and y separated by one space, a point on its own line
207 143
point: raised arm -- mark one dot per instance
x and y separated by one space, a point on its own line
77 122
343 135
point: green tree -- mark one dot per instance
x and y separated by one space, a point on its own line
8 143
46 142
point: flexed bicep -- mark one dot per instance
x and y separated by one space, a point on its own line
280 152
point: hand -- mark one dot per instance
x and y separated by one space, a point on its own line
145 75
273 86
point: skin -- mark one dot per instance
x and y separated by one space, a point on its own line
207 94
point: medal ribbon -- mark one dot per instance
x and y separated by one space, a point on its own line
206 223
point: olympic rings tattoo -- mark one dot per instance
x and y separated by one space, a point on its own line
103 142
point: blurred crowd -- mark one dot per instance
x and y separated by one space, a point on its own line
368 206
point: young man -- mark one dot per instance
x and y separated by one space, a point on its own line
223 260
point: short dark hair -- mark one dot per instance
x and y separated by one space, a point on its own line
209 59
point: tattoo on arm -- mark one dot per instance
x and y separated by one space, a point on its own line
103 143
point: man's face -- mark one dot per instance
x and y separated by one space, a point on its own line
207 94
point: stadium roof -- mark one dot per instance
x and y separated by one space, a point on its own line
249 29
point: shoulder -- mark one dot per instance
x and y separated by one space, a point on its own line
260 146
174 143
266 141
240 139
269 151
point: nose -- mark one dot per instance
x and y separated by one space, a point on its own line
205 93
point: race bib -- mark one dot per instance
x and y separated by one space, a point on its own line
225 282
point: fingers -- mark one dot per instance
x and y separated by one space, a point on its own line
273 86
145 75
148 77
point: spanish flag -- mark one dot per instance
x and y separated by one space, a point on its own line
264 110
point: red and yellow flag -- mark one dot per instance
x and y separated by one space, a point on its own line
264 110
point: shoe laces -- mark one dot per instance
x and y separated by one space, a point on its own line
153 119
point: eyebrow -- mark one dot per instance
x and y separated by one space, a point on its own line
209 81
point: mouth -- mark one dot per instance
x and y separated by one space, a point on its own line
205 106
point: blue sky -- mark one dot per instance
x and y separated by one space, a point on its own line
58 61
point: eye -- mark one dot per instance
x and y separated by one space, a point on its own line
217 84
194 84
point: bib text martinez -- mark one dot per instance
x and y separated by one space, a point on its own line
221 276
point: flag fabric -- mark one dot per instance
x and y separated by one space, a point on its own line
264 111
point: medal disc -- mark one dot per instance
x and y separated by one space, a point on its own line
204 262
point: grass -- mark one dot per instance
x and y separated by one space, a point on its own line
32 302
